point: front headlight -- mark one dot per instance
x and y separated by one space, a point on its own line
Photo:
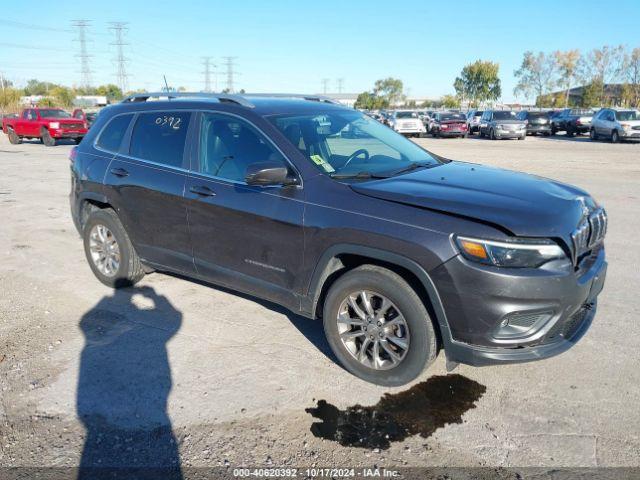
54 124
520 253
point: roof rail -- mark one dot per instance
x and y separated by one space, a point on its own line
302 96
220 97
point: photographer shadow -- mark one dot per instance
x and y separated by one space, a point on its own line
123 387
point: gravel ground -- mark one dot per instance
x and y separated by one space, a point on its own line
180 372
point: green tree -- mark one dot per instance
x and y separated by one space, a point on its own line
62 96
36 87
111 91
631 75
567 64
10 99
592 94
370 101
601 66
391 89
450 101
536 75
478 82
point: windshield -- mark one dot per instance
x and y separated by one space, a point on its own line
54 113
628 115
347 143
406 115
538 114
452 116
504 115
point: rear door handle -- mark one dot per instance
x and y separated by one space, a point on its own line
119 172
202 191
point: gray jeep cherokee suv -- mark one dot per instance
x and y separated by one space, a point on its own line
400 252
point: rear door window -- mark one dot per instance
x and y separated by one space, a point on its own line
111 136
160 137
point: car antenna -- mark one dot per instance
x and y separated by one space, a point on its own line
166 85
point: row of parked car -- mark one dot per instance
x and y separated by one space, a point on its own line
607 123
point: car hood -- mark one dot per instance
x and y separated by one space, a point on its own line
523 204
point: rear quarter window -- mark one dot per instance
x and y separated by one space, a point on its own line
112 134
160 137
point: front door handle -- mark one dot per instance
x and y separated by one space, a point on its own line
202 191
119 172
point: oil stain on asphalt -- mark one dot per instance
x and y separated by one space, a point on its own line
421 410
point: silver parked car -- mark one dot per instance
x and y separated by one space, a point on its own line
615 125
497 124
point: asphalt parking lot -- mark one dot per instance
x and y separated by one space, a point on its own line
205 377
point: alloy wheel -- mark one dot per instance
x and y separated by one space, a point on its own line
104 249
373 330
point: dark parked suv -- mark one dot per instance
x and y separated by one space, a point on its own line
537 122
400 252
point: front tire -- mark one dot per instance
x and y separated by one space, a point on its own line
492 134
14 139
109 251
592 134
47 139
378 327
615 136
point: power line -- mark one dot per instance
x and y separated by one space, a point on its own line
325 85
30 26
119 28
339 83
207 73
229 63
85 71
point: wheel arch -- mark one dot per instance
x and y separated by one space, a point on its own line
88 202
342 258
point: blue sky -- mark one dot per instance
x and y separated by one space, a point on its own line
289 46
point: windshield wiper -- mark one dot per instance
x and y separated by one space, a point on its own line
412 167
341 176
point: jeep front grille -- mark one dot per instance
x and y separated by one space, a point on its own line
589 234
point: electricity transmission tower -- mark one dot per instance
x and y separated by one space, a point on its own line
325 85
340 83
83 55
207 73
229 63
119 28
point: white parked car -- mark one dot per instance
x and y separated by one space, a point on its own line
407 123
615 125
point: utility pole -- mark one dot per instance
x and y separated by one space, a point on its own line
229 63
325 85
207 73
83 55
340 82
119 28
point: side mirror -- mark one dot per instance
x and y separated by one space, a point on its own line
268 174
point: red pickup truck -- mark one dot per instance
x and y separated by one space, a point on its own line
47 124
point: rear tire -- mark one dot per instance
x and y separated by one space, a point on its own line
47 139
570 132
14 139
417 331
129 269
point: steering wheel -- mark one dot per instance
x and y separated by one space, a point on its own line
355 154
